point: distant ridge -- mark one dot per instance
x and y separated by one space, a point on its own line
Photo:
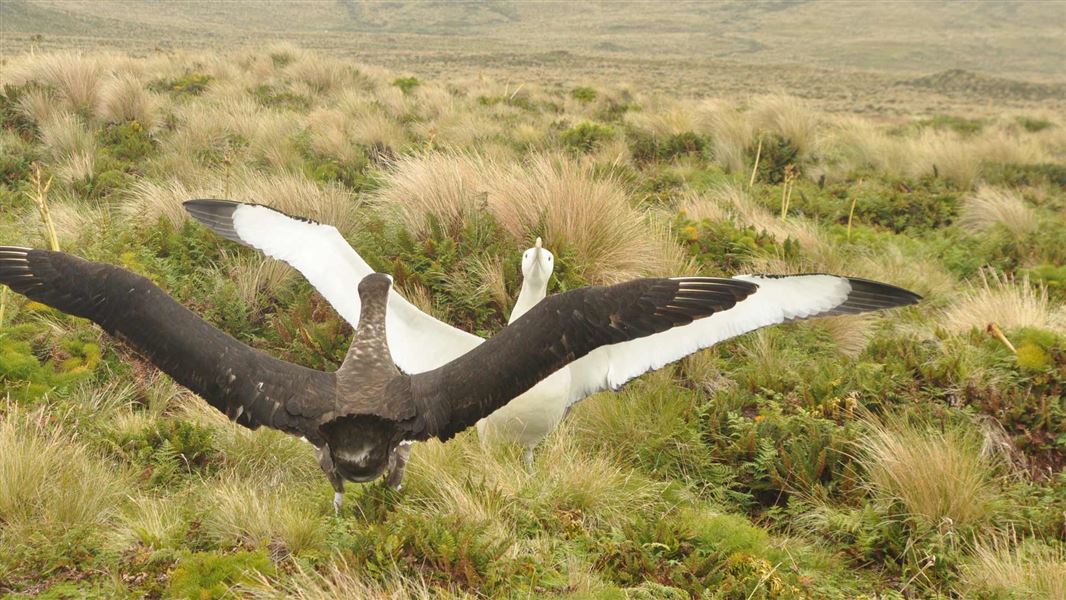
961 81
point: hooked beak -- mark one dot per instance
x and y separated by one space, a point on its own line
536 248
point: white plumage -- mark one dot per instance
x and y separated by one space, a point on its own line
419 342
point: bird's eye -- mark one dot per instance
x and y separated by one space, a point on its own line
549 259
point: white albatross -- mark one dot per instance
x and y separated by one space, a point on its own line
418 342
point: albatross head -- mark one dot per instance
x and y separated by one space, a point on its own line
537 264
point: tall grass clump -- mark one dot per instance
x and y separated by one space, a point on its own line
71 146
125 98
938 476
257 513
584 213
75 77
1001 569
988 207
291 193
1007 302
339 580
50 484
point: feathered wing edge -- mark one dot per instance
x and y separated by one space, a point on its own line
555 332
251 387
417 341
778 299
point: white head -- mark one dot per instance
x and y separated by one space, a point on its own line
537 264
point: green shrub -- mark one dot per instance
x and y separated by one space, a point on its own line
1033 125
647 148
406 84
587 136
128 142
1025 175
722 247
583 94
208 575
776 155
282 99
960 125
189 84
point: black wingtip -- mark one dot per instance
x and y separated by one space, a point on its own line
217 215
867 295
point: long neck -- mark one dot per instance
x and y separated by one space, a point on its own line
370 347
532 293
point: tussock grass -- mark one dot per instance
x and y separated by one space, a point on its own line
503 495
731 133
1007 302
75 76
124 98
582 213
939 476
989 207
255 276
50 483
788 117
290 193
338 580
71 146
1002 568
255 513
150 521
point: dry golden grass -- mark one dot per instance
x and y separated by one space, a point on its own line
988 207
850 333
449 187
75 76
71 146
255 513
788 117
583 213
290 193
1000 568
732 133
939 475
255 276
124 98
1006 302
50 484
342 581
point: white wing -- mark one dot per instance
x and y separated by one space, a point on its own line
418 342
778 299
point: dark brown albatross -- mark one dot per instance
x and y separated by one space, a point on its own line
358 415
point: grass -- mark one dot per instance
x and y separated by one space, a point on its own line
943 478
749 469
990 207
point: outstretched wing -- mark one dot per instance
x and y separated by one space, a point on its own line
417 341
249 386
778 299
555 332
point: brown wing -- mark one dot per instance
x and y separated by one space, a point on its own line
249 386
558 330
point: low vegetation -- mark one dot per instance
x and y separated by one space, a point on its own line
914 454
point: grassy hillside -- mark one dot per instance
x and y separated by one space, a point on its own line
849 56
912 454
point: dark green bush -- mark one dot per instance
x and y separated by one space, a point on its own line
282 99
583 94
776 155
406 84
189 84
586 136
